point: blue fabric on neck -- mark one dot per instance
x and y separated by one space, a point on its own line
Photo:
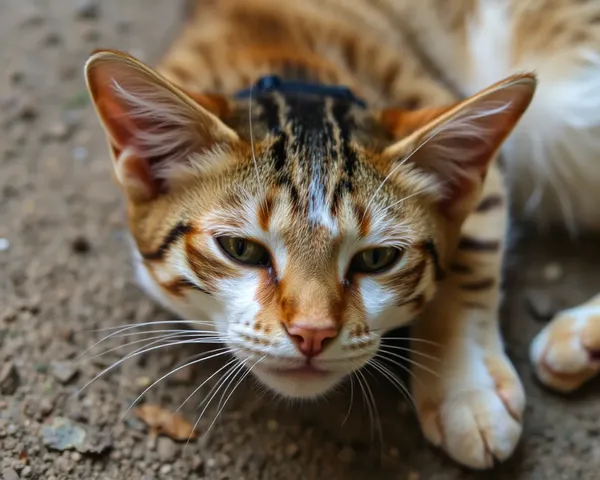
273 83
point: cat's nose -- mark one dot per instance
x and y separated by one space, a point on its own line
311 341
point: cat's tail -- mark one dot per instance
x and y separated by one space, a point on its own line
553 157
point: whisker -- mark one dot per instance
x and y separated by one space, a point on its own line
204 383
411 361
374 415
351 399
415 352
412 374
221 351
436 186
125 328
234 370
244 375
131 355
387 373
400 164
159 338
415 340
258 182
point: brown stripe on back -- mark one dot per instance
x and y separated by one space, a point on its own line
459 268
490 202
174 234
477 245
478 285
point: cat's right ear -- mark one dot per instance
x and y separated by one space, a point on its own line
152 126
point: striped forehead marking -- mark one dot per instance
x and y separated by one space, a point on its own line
312 151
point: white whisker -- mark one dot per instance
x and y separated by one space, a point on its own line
220 351
409 360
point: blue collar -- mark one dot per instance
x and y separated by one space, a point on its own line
273 83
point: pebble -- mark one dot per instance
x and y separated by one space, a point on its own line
552 272
87 9
9 378
80 154
4 244
64 434
80 244
272 425
64 372
26 109
26 472
52 39
166 449
11 429
10 474
197 463
59 131
165 469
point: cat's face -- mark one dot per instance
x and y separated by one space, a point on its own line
303 228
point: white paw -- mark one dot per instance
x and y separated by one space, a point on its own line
477 422
566 353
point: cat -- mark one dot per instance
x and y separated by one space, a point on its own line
310 175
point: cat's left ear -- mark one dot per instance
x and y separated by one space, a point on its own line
454 146
153 127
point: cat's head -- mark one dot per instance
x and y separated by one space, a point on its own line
303 227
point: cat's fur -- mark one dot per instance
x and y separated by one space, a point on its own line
316 180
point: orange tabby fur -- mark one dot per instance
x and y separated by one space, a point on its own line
195 164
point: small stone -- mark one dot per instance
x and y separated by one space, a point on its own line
272 425
346 455
197 463
166 449
211 463
27 109
165 469
11 429
80 154
26 472
10 474
143 382
87 9
552 272
9 379
123 26
292 450
80 244
63 434
4 244
75 456
59 131
46 406
64 372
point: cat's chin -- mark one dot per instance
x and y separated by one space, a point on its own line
298 383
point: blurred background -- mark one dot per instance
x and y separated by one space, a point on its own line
65 272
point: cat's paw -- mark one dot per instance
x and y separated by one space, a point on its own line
477 419
566 353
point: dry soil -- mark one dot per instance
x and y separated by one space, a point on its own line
64 271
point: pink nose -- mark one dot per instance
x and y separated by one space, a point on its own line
311 341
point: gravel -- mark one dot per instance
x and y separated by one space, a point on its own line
65 274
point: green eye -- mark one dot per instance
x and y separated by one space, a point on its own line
245 251
375 260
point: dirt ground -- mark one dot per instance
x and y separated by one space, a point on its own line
64 271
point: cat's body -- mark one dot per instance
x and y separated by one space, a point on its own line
360 220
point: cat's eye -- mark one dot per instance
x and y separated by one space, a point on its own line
245 251
375 260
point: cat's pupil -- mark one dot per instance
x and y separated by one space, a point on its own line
375 257
240 247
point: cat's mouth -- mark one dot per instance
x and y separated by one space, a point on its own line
306 370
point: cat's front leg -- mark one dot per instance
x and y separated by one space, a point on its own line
469 398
